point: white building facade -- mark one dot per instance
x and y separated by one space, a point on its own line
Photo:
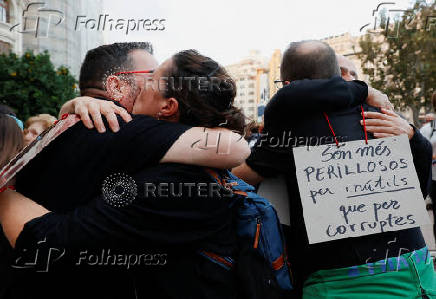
51 27
10 14
245 74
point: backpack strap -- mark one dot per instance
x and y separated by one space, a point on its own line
224 261
215 175
223 182
278 263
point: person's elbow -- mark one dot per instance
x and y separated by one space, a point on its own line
237 154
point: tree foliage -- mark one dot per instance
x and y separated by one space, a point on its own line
400 58
31 85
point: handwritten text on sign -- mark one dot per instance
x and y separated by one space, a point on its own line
359 189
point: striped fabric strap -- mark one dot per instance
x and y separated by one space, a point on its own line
29 152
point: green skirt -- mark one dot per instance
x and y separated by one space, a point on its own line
411 275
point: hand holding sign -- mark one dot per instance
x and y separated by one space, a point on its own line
359 189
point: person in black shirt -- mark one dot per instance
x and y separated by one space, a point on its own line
155 223
74 165
314 60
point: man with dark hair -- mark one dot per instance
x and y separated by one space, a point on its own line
109 59
314 264
102 62
71 169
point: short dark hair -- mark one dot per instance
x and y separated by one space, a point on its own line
108 59
208 107
317 63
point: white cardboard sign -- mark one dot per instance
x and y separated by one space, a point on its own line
359 189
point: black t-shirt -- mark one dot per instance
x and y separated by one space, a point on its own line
173 216
70 171
174 206
73 166
269 160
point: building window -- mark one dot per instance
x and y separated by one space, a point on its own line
5 48
4 15
251 85
250 101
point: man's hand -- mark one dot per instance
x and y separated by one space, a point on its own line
387 124
378 99
86 106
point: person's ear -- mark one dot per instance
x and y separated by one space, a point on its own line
117 89
170 109
113 88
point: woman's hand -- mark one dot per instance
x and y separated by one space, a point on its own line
87 106
387 124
